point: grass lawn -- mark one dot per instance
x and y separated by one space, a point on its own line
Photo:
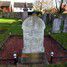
7 20
61 38
14 28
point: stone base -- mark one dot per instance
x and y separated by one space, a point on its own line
34 58
32 65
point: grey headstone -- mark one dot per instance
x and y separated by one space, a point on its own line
33 35
24 15
0 15
65 25
44 17
56 25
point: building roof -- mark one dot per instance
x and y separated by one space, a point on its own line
29 5
4 3
22 5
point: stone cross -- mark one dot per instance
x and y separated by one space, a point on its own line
25 12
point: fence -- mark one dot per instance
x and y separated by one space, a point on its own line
11 15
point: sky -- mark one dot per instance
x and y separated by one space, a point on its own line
20 0
25 0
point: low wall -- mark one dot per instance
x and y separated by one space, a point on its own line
11 15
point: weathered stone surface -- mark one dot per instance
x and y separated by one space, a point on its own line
44 17
65 25
56 25
24 15
33 34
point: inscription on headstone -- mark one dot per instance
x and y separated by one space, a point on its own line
33 34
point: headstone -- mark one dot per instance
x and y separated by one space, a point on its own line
33 32
8 15
44 17
65 25
33 36
0 15
17 15
56 25
12 15
25 13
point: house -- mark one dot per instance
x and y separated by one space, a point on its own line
11 6
19 7
5 6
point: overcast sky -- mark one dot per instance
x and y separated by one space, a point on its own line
20 0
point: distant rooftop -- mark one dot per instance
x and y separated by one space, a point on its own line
4 3
28 1
22 5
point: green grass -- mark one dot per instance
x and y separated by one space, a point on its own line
14 28
47 29
7 20
61 38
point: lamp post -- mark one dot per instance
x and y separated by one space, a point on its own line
52 54
15 59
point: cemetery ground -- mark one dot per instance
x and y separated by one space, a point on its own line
13 27
10 26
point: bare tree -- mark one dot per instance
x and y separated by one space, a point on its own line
38 5
42 5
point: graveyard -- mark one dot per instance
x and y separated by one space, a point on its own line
15 29
33 33
11 39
